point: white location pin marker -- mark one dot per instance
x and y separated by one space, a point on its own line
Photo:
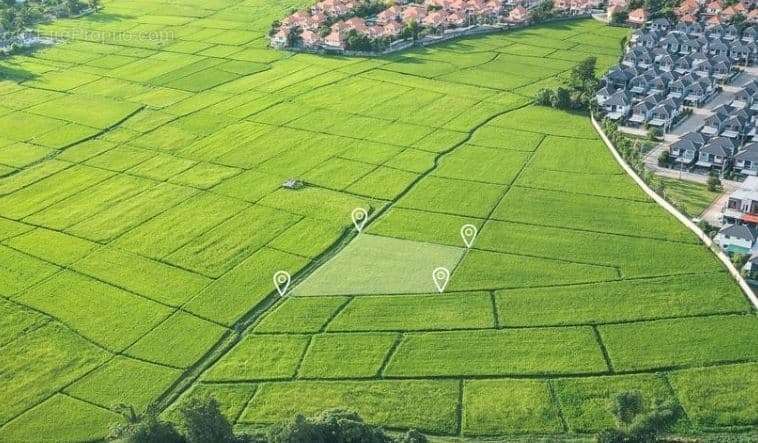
468 234
360 216
441 276
282 282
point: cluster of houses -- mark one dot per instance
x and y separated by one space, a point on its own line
327 24
667 68
726 139
708 12
716 12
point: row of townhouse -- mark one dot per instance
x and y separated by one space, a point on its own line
692 88
697 149
660 27
715 11
576 7
666 50
655 109
389 23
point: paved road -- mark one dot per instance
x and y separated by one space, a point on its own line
712 213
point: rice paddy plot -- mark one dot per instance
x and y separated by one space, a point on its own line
380 265
142 217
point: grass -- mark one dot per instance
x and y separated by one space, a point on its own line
587 403
446 195
23 271
718 396
634 256
529 408
260 357
152 279
422 226
106 385
48 359
180 341
380 265
74 420
301 315
680 342
585 212
102 313
17 321
142 217
415 312
427 405
346 355
52 246
490 270
68 212
233 295
232 398
532 352
694 198
619 301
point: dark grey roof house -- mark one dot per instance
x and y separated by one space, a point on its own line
746 160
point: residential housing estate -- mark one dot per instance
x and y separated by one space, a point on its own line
668 68
727 138
327 24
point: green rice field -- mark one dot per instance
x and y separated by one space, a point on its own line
142 218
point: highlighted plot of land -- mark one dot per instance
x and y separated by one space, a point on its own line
381 265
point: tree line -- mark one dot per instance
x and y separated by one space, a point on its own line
578 93
16 17
201 421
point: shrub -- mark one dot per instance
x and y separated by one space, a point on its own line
544 97
714 182
664 158
334 425
144 428
633 425
561 99
739 260
709 229
204 422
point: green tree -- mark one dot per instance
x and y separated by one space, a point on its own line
411 30
413 436
583 73
335 425
628 405
544 97
739 260
664 158
204 422
542 12
714 182
294 36
706 227
561 99
633 425
143 428
739 21
619 18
